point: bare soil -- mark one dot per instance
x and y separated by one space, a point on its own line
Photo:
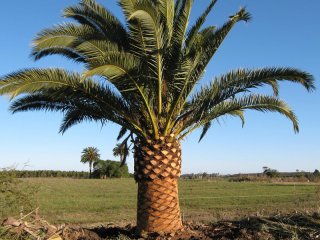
295 226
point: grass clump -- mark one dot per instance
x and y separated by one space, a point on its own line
16 196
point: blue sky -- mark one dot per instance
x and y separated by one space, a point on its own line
282 33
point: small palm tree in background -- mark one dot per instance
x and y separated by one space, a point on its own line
147 69
90 155
121 150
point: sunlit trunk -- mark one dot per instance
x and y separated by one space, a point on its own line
157 169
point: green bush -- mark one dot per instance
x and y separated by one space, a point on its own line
109 169
16 196
271 173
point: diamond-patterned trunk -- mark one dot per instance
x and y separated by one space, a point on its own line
157 169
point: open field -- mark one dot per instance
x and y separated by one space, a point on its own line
100 201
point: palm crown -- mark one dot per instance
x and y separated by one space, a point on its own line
90 155
148 71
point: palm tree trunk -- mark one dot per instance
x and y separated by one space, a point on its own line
157 169
90 167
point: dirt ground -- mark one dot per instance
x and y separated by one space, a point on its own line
278 227
295 226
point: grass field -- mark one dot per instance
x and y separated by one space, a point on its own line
99 201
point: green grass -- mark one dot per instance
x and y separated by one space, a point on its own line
99 201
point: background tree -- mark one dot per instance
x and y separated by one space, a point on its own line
265 168
110 169
272 173
90 155
149 68
122 151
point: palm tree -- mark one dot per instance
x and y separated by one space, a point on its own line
143 76
121 150
90 155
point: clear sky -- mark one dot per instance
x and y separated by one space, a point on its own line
281 33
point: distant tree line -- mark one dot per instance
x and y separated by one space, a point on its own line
50 173
267 173
97 168
102 169
200 176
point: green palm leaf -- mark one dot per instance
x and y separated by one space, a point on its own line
167 10
243 80
192 34
211 44
152 32
235 107
88 12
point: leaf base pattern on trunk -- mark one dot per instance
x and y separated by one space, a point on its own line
158 206
157 169
157 159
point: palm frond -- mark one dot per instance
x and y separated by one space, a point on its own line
122 150
78 42
137 39
63 51
64 36
181 93
33 80
37 102
153 33
206 126
243 80
122 132
120 68
118 73
228 86
94 49
180 28
235 107
167 10
66 86
211 44
75 116
205 129
89 12
177 9
192 34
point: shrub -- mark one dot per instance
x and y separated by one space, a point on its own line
15 195
272 173
110 169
